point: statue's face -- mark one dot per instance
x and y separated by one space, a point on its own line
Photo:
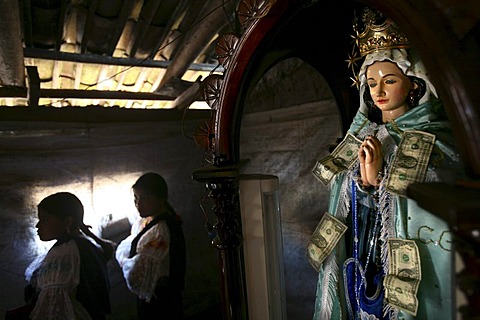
389 88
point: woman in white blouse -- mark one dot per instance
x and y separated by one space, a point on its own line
153 256
71 280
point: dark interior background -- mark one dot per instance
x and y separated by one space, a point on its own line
297 101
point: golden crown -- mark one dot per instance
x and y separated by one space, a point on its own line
379 33
381 36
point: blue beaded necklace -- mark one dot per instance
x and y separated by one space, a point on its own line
362 302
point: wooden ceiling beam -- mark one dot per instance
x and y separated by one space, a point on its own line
101 95
18 92
33 86
88 25
108 60
26 18
214 17
12 68
61 22
176 16
13 92
149 10
98 114
120 25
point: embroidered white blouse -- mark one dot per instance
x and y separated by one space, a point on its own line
152 261
57 275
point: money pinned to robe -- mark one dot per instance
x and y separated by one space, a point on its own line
324 239
404 275
342 158
411 161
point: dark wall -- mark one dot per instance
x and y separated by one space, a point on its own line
99 163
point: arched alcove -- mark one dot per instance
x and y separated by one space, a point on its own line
318 33
289 120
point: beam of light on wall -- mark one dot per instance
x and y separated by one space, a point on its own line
112 198
105 200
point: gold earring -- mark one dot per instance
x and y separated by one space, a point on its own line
411 99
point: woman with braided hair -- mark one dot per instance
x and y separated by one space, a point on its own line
153 256
71 280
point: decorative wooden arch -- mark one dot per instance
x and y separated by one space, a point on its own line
448 42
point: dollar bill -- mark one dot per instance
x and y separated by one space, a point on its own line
324 169
324 239
401 294
342 158
404 258
411 161
404 275
314 255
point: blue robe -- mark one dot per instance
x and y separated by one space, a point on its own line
399 217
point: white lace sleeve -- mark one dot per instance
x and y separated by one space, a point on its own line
123 250
57 277
151 262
